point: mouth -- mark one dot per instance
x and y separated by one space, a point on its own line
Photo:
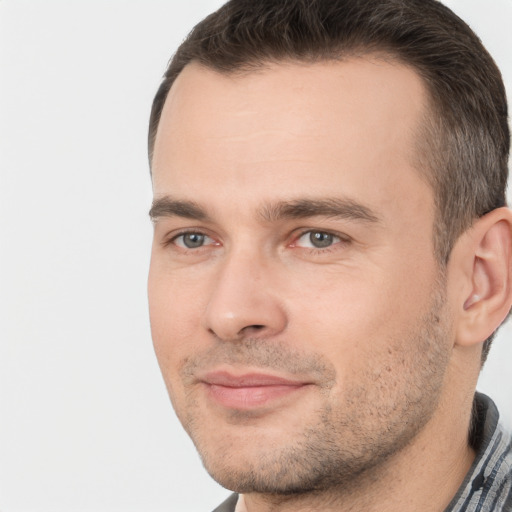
249 391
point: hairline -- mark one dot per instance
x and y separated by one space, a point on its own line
385 53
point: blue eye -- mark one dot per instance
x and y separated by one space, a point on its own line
192 240
317 239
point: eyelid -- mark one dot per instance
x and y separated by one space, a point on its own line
344 238
172 236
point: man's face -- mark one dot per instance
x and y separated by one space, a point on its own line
296 306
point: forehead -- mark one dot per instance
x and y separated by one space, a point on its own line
309 127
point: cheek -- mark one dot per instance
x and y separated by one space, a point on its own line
173 295
359 316
169 308
170 337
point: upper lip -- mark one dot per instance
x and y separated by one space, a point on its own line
246 380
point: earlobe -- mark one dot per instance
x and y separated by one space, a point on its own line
487 296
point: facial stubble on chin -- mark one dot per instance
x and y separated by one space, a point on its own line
349 438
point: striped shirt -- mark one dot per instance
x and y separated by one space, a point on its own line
488 484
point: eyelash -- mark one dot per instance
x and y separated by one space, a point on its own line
343 240
171 240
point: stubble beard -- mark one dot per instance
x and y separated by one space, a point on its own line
343 449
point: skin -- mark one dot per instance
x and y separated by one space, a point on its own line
366 324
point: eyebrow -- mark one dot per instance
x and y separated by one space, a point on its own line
168 207
335 208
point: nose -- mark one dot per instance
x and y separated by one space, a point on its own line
245 300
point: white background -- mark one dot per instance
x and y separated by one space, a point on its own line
85 423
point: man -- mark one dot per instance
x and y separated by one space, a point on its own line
332 254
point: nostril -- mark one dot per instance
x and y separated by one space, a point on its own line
251 329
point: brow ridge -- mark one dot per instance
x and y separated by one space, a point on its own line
338 208
168 207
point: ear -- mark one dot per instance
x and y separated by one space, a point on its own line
485 295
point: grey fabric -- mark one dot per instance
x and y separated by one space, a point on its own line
228 505
488 484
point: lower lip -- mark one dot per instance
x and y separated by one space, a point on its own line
245 398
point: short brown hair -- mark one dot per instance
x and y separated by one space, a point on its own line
465 138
